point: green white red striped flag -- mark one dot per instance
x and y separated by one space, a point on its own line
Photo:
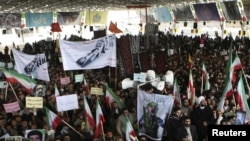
177 95
205 77
14 77
52 119
89 117
236 65
229 61
191 90
56 90
241 98
99 120
228 91
130 132
110 97
190 62
85 86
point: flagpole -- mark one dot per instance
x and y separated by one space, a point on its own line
72 127
236 104
245 79
6 90
115 78
103 135
201 84
16 95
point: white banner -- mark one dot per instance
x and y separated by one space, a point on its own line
31 65
152 110
92 54
67 102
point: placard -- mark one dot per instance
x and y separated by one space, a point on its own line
96 90
65 80
141 77
67 102
11 107
3 84
78 78
34 102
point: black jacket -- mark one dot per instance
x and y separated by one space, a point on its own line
181 132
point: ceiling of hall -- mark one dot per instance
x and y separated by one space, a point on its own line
16 6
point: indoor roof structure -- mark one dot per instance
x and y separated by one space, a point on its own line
12 6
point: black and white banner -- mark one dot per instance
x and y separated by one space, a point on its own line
152 110
31 65
93 54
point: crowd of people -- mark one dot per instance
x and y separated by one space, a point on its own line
196 118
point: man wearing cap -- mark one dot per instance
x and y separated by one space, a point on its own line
201 116
149 122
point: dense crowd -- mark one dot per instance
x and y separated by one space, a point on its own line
198 117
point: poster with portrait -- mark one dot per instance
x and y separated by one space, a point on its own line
152 110
183 13
35 134
240 117
230 10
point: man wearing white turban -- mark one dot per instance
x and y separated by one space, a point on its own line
199 99
202 115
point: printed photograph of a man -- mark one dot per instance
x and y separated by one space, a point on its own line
149 122
35 135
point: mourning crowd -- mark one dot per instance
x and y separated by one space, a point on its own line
213 53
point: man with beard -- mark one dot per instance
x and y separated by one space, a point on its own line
173 123
149 122
201 117
187 132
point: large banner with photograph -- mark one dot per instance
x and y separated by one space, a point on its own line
207 12
93 54
152 110
38 19
31 65
96 17
183 13
247 8
162 14
69 18
231 10
9 20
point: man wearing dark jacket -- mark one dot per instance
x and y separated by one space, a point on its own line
187 132
201 117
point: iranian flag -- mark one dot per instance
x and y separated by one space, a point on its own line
86 86
89 117
191 90
110 97
177 96
229 62
241 97
14 77
205 77
236 65
53 119
190 62
228 91
56 91
130 132
99 120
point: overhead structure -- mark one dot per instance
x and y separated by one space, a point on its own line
12 6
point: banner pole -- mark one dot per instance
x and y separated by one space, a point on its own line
16 95
72 127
